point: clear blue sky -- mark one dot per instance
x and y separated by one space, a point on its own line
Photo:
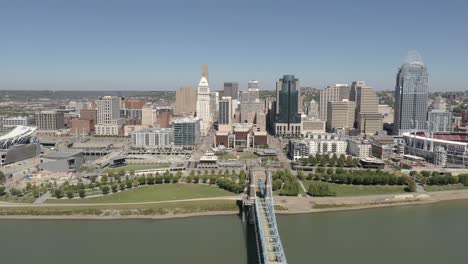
160 45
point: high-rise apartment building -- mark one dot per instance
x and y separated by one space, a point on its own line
186 101
411 94
152 137
49 120
287 120
204 105
333 93
109 122
186 131
340 115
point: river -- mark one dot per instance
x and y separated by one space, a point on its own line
434 233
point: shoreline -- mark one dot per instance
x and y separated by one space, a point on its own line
294 205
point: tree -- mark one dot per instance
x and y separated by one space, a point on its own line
58 193
114 188
277 184
2 177
70 194
105 189
142 180
122 186
2 190
426 173
82 193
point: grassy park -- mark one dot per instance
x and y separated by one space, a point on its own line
450 187
153 193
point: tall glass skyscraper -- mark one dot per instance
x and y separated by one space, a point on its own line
287 100
411 95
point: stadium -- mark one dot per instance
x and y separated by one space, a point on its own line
443 149
17 145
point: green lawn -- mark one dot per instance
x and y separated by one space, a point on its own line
360 190
153 193
125 210
242 156
15 199
450 187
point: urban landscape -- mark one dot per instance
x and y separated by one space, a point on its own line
276 173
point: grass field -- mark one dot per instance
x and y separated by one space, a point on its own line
359 190
14 199
450 187
241 155
153 193
125 210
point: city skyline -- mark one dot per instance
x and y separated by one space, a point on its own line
150 46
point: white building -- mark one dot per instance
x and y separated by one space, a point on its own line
204 106
315 144
360 148
153 137
109 122
12 122
148 115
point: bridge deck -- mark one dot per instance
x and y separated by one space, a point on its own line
270 243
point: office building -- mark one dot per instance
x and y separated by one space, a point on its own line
88 114
340 115
231 89
287 119
439 104
204 106
187 131
163 117
411 95
333 93
152 137
186 101
313 110
250 103
224 113
49 120
81 127
367 118
387 113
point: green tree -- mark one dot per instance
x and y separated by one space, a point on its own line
82 193
122 186
105 189
114 188
70 194
58 193
35 192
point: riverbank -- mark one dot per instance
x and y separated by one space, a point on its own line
226 206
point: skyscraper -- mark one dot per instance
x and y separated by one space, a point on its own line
287 118
186 101
225 115
340 115
231 89
367 117
411 94
333 93
203 105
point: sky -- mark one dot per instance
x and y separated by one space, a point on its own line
160 45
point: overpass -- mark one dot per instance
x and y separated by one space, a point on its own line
261 213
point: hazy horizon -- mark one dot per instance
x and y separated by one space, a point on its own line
147 45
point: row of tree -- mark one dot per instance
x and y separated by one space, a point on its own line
285 182
361 177
333 161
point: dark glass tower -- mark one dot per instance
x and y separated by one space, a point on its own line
287 100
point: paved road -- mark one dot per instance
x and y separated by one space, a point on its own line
42 198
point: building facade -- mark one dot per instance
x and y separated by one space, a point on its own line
204 106
224 113
337 92
411 96
153 137
287 119
49 120
186 131
186 101
340 115
109 121
439 121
